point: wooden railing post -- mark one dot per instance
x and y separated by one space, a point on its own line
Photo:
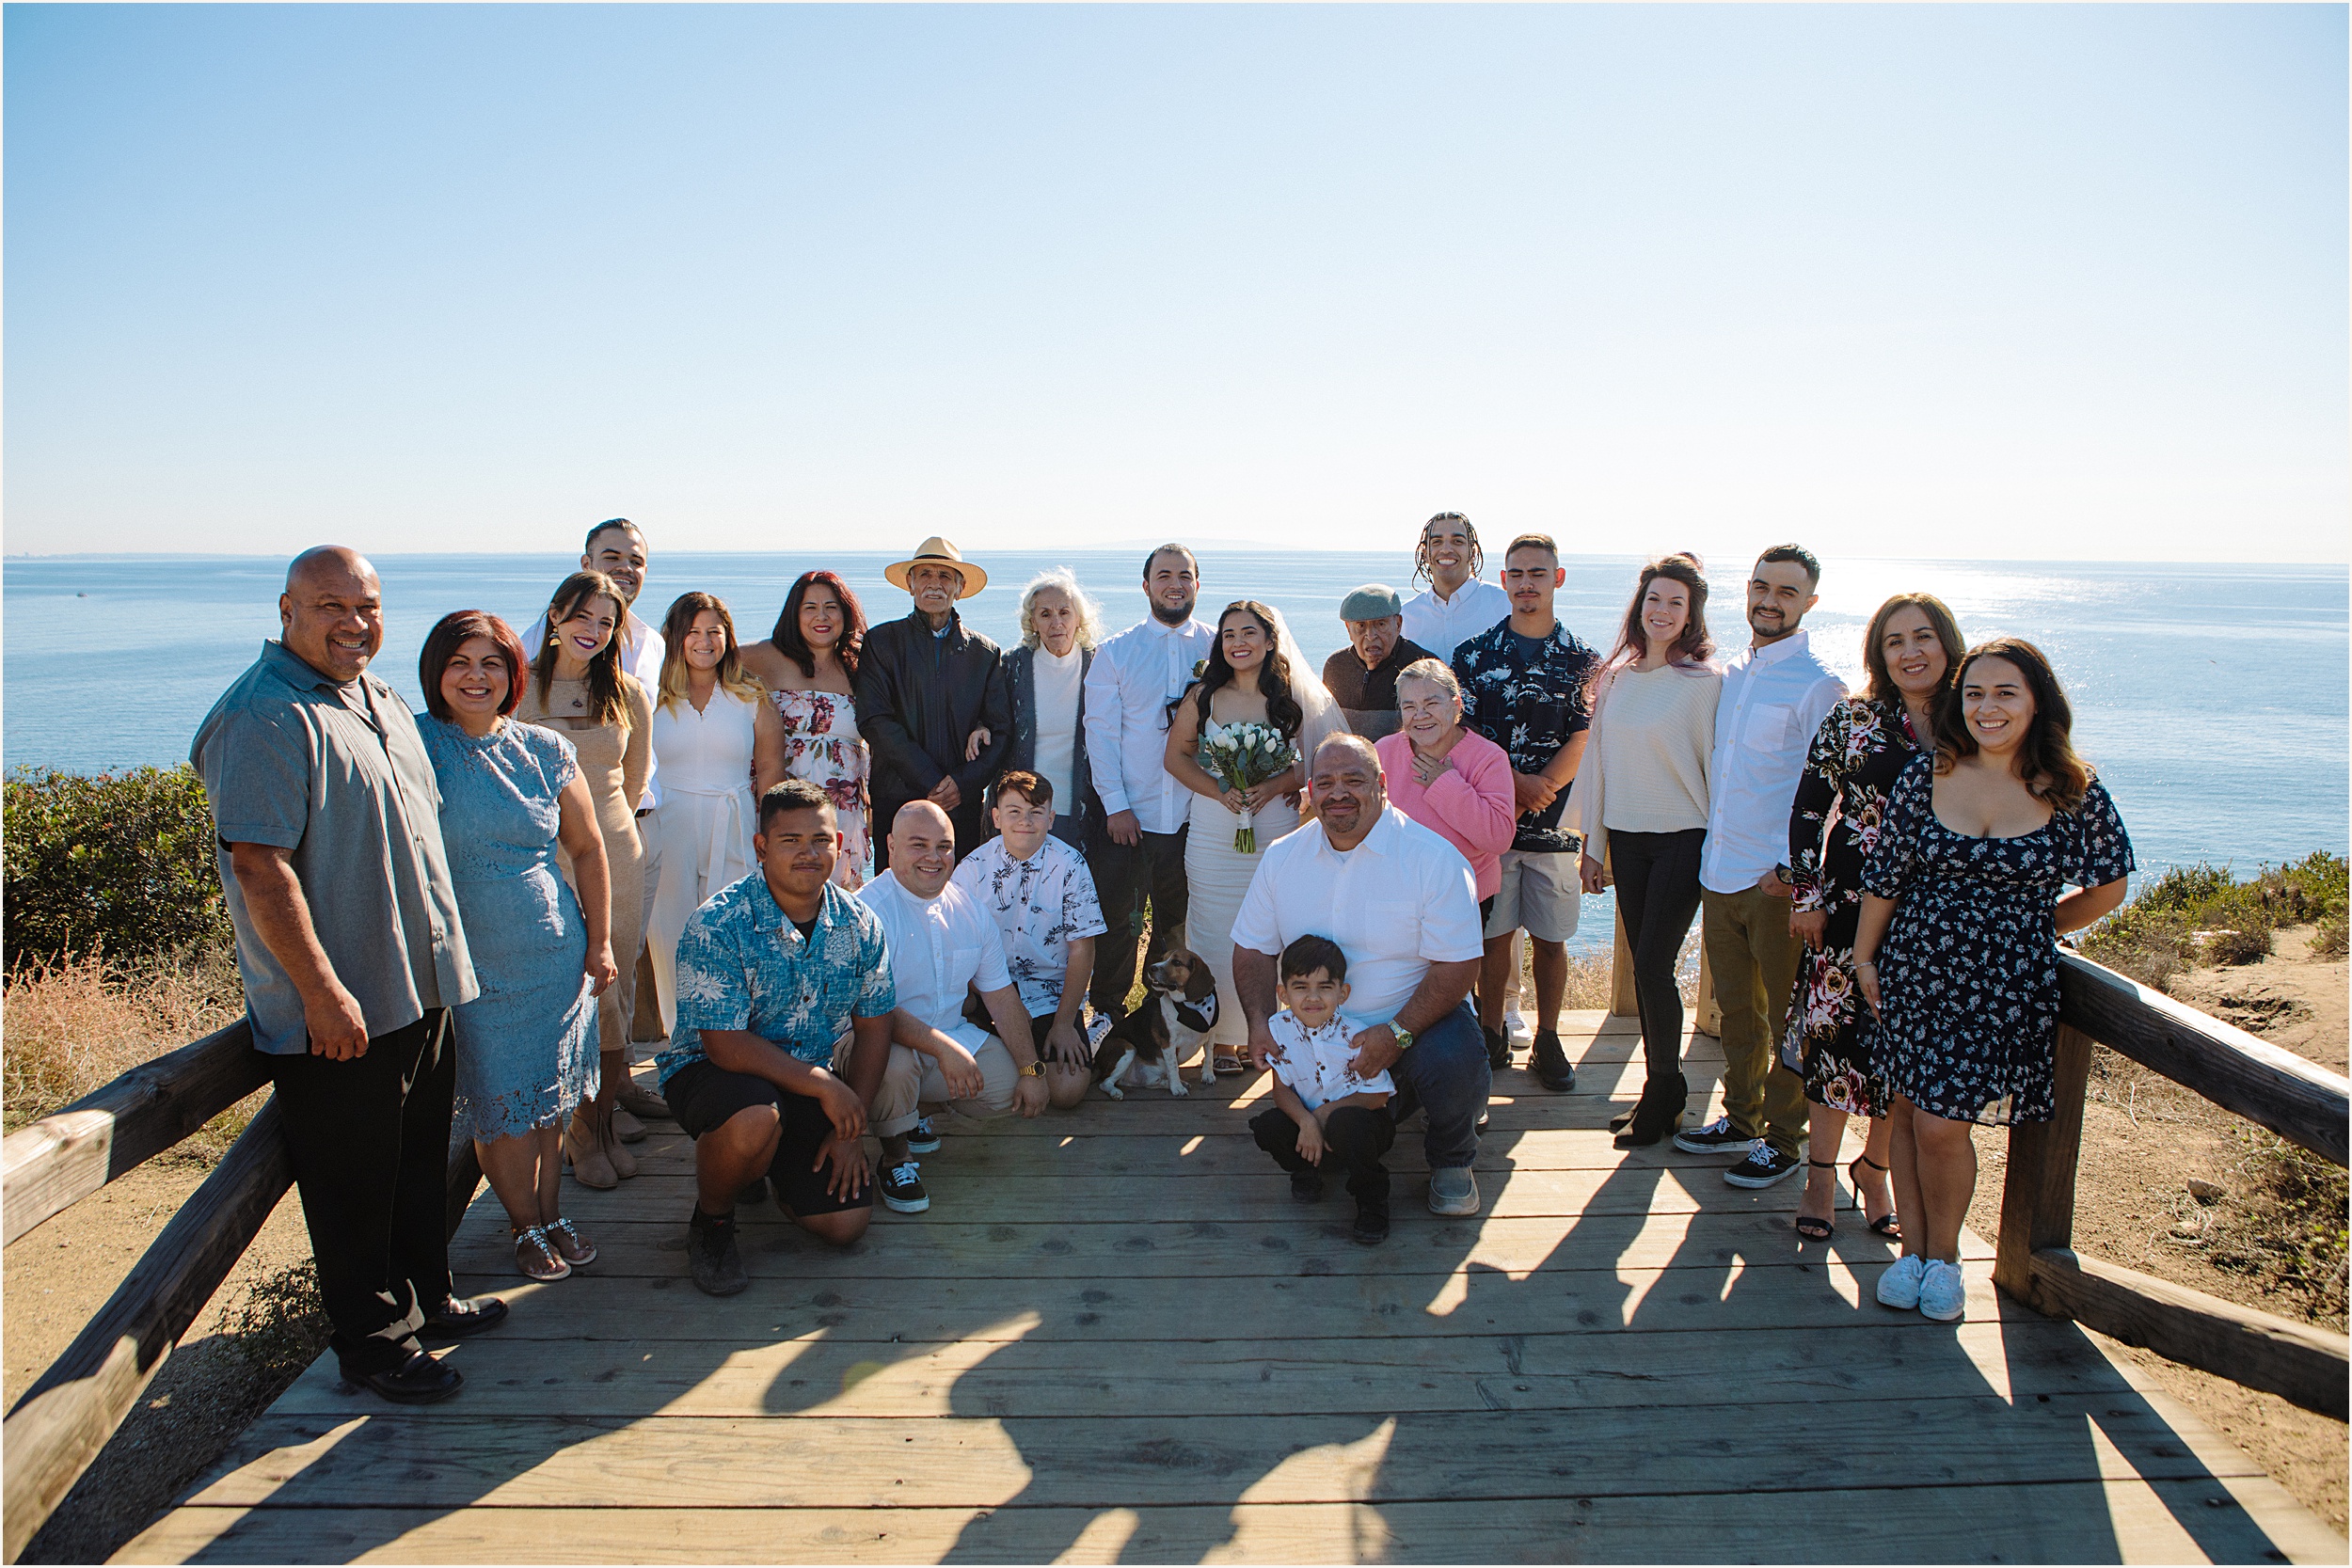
2037 1194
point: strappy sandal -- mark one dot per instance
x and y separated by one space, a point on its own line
573 1247
536 1256
1814 1230
1230 1067
1889 1225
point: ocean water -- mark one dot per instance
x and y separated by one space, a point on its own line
2213 699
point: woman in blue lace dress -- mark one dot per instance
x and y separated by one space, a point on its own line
527 1047
1956 951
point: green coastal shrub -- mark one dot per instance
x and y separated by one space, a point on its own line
122 863
2195 914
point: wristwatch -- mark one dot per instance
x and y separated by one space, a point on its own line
1035 1070
1403 1035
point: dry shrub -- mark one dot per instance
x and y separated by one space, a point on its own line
2289 1232
2245 943
2327 937
75 1025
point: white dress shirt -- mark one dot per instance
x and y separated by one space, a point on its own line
1442 625
1319 1065
1041 906
642 651
1398 902
1773 699
938 946
1135 676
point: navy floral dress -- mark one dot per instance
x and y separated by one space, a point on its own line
1861 748
1968 973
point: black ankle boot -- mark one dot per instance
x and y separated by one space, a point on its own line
1498 1049
1664 1102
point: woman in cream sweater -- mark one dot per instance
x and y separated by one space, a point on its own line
1641 799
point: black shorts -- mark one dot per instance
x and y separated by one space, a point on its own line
1040 1026
702 1095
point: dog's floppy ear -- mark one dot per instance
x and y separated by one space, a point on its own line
1200 981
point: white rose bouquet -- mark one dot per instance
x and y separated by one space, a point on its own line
1240 755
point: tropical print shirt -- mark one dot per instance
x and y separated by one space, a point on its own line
1041 906
1527 695
742 965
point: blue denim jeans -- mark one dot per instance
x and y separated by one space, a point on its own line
1445 1073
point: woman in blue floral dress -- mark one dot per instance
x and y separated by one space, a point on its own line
1957 947
1911 650
527 1051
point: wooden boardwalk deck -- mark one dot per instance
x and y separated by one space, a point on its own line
1115 1338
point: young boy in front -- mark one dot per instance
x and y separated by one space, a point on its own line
1322 1111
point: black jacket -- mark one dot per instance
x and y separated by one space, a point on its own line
1021 672
918 697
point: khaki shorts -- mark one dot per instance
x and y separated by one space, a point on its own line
1540 893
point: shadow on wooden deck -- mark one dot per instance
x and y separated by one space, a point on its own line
1115 1338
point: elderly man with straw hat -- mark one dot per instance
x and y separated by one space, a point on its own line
933 700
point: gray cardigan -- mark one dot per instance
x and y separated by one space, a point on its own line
1021 671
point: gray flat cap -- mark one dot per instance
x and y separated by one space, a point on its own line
1373 601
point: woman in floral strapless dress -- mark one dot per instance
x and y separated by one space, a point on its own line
808 664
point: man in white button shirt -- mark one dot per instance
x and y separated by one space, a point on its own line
1140 850
616 548
1400 902
1457 605
941 945
1775 696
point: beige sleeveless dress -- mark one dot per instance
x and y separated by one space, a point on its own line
614 762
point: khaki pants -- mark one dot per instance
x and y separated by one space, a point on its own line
1754 960
913 1080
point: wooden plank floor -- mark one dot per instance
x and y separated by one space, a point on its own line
1115 1338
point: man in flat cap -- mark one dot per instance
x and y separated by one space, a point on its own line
927 688
1361 677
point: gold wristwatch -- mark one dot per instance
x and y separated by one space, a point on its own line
1035 1070
1403 1035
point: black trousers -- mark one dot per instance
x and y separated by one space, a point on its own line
1356 1138
1124 876
369 1142
1657 893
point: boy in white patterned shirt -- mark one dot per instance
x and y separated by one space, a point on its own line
1322 1111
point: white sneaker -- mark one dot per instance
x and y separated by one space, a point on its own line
1942 1293
1514 1022
1898 1287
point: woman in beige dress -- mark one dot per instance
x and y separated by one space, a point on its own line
579 688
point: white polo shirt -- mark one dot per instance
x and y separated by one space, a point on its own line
1442 625
1133 677
1773 699
937 947
1396 903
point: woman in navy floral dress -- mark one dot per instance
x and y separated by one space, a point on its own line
1965 899
1911 650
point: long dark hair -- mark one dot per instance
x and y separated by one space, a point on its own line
1881 687
788 639
2046 761
1423 572
605 704
1695 645
1281 709
448 635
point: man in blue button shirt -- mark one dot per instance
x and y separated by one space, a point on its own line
783 1001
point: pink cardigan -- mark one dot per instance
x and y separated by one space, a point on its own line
1472 806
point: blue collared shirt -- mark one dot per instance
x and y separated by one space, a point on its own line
742 965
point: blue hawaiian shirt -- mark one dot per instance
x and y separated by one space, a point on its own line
742 965
1527 695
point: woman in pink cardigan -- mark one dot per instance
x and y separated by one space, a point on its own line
1451 781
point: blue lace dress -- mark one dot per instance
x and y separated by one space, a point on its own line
1969 975
527 1046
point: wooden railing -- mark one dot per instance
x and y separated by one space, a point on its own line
2035 1261
58 1428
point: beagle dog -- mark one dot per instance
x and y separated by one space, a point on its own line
1155 1038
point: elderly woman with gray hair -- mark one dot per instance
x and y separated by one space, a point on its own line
1059 627
1453 781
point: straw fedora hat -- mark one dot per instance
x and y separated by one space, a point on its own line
945 554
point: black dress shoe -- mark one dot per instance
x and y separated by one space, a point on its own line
1371 1224
419 1380
460 1316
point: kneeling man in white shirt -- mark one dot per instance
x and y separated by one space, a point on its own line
941 945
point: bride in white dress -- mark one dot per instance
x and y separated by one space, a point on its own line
1249 678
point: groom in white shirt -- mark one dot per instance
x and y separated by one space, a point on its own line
1139 851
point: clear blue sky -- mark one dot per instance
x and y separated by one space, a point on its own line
1969 281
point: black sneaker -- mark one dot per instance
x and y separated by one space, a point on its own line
1549 1064
1307 1185
1498 1049
922 1138
1763 1166
902 1188
1716 1137
1371 1224
711 1255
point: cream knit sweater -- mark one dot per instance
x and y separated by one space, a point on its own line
1644 768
